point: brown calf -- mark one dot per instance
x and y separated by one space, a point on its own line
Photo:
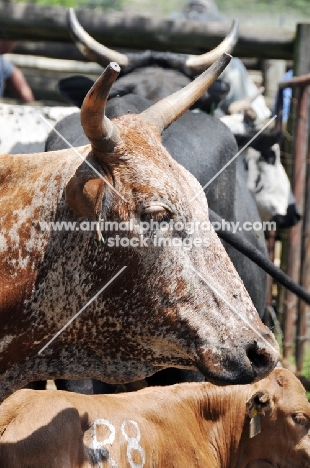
182 426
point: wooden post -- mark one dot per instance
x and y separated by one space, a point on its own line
273 71
302 66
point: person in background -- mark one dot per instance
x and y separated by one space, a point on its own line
11 76
201 10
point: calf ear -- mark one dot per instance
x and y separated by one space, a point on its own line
258 404
84 196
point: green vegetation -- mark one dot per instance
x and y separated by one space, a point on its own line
306 368
167 6
101 4
265 6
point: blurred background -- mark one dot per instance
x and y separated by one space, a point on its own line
269 12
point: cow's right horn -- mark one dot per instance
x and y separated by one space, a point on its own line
166 111
101 131
198 63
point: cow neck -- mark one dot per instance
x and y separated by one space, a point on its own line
223 409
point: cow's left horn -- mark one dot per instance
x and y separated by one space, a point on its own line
101 131
166 111
198 63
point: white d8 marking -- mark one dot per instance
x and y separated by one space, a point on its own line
98 446
133 444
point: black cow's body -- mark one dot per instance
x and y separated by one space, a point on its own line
152 83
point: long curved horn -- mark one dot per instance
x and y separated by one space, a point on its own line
198 63
190 65
166 111
89 47
101 131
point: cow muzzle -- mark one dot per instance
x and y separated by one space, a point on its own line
241 363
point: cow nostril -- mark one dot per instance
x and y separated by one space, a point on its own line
258 357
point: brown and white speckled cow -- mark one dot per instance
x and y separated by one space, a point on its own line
181 426
161 312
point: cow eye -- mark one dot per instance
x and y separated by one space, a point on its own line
157 213
301 419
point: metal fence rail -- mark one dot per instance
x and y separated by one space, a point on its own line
298 252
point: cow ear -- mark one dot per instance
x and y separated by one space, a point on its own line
258 404
84 196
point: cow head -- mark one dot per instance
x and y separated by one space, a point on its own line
179 301
178 304
281 406
149 74
190 65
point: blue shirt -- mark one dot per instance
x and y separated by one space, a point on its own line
6 70
287 96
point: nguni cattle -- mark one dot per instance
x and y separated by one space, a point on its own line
261 425
173 306
208 150
221 194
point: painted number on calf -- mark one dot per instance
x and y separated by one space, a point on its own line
133 444
99 447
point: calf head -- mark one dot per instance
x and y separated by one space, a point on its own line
284 440
178 304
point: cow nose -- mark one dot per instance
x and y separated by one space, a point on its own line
258 359
241 362
263 357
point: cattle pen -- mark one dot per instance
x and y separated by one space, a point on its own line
44 38
298 261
